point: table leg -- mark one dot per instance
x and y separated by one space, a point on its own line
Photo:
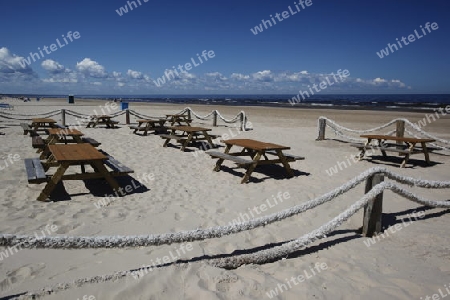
363 150
50 186
100 168
252 167
208 138
285 163
220 160
405 160
187 141
380 144
425 152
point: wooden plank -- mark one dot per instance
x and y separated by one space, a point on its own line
39 169
373 211
236 159
31 173
172 137
287 155
91 141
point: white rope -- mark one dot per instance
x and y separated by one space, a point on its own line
71 242
274 253
342 128
142 116
338 129
240 116
29 115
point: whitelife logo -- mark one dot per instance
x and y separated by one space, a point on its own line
53 47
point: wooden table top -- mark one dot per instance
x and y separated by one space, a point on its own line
255 145
64 131
189 128
76 153
396 138
43 120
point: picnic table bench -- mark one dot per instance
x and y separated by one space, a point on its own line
27 129
180 119
60 135
102 119
404 146
65 156
147 125
189 133
255 150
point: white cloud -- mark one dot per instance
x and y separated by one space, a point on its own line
265 76
135 74
53 66
91 68
239 76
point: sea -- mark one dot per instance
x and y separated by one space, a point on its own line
341 101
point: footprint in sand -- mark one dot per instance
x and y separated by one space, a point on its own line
18 276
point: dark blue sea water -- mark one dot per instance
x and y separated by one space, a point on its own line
351 101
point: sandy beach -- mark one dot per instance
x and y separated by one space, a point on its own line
179 191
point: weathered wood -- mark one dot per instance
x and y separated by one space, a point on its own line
35 170
215 118
63 117
236 159
37 142
373 211
322 126
172 137
91 141
400 131
117 166
127 116
287 155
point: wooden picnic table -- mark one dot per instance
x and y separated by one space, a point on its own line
255 150
65 156
42 124
102 119
56 135
181 120
404 146
188 134
146 125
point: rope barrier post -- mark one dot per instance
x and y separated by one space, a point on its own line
215 118
373 211
242 121
127 116
400 131
189 114
322 126
63 117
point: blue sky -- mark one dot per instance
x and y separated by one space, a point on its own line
127 54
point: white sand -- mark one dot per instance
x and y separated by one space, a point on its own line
186 194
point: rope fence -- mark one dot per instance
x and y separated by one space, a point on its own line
401 127
240 118
259 257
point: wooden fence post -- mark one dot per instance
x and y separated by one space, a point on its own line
400 132
373 211
63 117
322 126
127 116
242 122
215 118
189 114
